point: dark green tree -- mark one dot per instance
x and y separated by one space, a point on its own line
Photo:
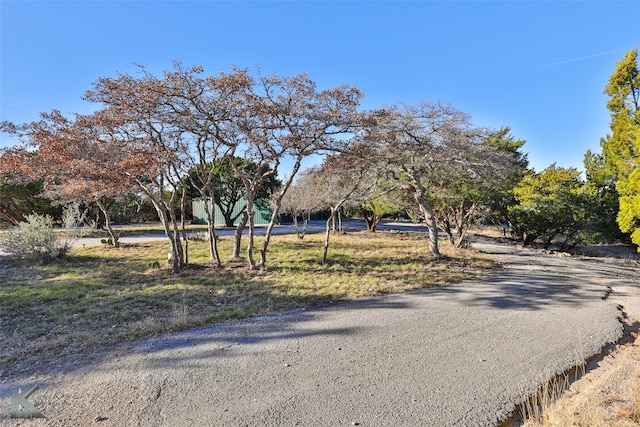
17 200
502 196
603 201
548 204
621 148
229 191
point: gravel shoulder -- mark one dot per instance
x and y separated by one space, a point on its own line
463 354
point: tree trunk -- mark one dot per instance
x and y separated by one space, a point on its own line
427 211
228 220
175 255
429 217
372 220
213 243
267 237
433 231
276 211
183 225
327 234
107 219
167 216
445 226
209 210
528 239
250 244
176 236
300 233
295 225
305 222
460 238
463 221
11 212
214 255
450 237
237 237
250 217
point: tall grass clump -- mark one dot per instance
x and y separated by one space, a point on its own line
534 409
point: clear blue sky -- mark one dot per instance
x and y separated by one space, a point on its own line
538 67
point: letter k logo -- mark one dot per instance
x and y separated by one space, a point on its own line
21 407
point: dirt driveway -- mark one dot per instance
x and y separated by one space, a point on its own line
463 354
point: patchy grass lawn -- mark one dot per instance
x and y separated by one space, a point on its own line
100 297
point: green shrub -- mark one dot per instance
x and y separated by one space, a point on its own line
34 239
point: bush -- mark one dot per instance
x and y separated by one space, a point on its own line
34 239
72 219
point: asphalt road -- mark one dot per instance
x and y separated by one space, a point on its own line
461 355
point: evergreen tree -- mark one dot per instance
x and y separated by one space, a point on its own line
621 149
549 203
603 203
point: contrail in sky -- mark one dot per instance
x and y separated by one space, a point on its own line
585 57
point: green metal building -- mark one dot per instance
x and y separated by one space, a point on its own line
262 209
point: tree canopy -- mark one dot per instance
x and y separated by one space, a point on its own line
229 137
548 203
153 134
436 153
621 148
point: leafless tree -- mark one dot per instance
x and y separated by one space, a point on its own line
299 202
302 121
339 179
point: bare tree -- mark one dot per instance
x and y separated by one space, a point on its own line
299 202
206 110
339 179
304 122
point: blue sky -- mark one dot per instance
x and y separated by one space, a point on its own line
538 67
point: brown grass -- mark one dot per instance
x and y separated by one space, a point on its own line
606 396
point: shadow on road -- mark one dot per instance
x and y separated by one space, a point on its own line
515 292
532 280
288 326
528 281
